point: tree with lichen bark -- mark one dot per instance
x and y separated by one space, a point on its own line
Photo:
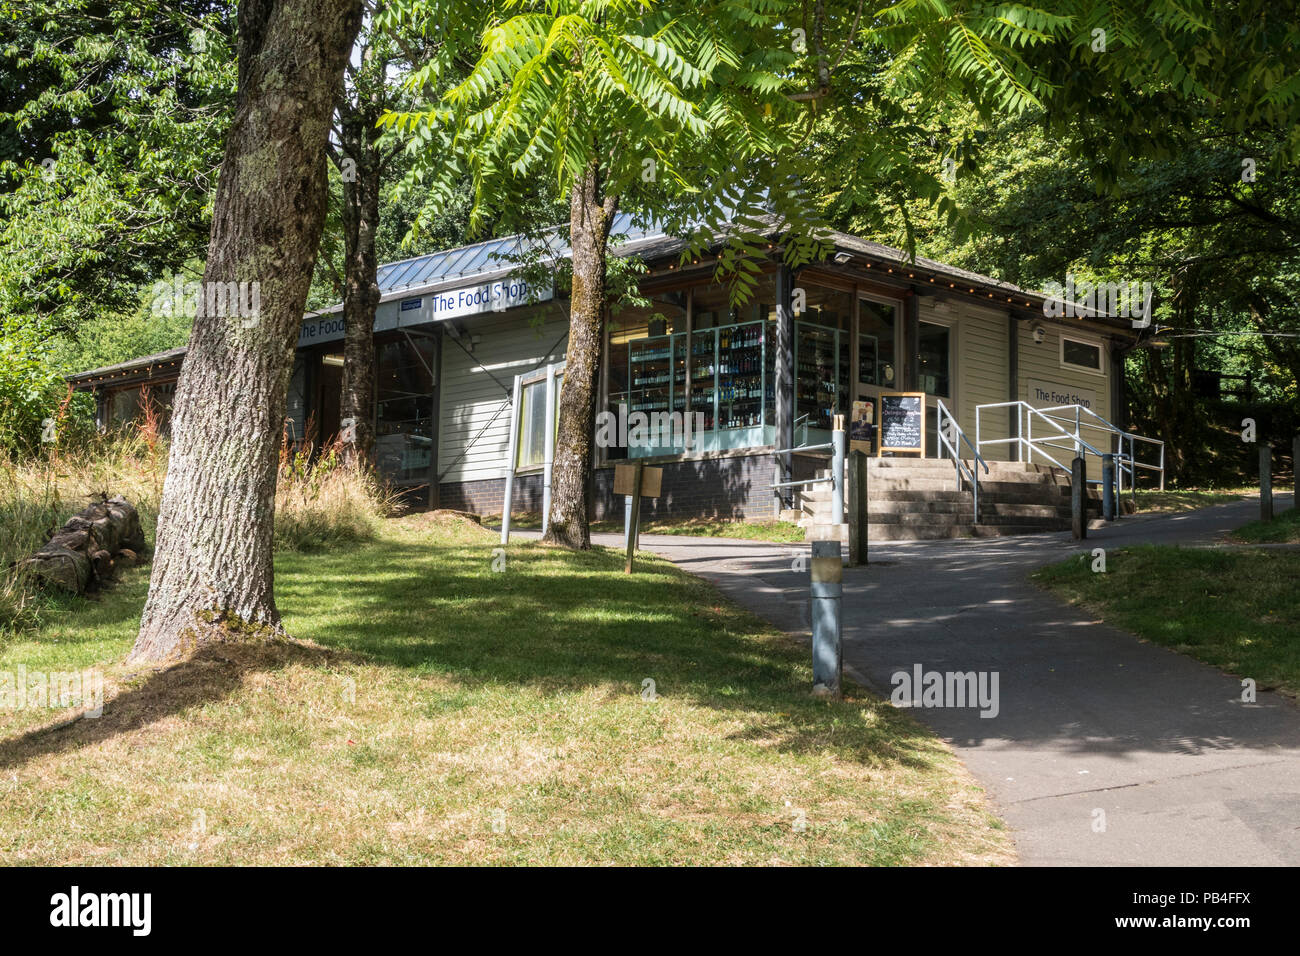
212 574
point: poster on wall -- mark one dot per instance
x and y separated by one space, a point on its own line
902 423
862 426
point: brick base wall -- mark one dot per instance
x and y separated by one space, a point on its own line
735 488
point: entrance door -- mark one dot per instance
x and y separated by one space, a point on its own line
877 364
935 378
329 398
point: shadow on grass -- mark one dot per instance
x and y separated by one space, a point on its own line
211 674
560 622
554 621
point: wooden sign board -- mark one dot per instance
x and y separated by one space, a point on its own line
625 480
902 422
862 426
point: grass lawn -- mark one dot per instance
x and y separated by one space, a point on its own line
1187 499
783 532
1283 529
1238 609
435 711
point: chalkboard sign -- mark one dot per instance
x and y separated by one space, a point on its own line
902 422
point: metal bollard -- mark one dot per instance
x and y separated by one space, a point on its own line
1108 487
1078 499
826 592
1265 483
837 471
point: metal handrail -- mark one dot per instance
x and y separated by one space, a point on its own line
837 445
806 417
1026 443
1126 461
972 474
799 448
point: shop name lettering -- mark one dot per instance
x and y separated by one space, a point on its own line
1061 398
493 295
325 328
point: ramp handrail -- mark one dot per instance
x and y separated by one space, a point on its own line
1057 436
1125 461
972 474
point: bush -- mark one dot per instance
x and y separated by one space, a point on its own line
32 393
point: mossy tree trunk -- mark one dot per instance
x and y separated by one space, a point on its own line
591 214
212 570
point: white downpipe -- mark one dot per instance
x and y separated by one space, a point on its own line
510 465
549 453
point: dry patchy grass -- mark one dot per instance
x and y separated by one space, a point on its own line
435 711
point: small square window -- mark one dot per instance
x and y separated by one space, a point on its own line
1081 354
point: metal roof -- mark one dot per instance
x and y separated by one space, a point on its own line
495 258
483 260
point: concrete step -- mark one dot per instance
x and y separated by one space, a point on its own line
883 488
1028 509
1027 496
926 519
917 499
894 532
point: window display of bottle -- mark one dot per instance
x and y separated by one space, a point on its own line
740 380
650 373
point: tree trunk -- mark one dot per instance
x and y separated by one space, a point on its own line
361 286
212 574
590 217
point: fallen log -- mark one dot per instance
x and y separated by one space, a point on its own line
89 546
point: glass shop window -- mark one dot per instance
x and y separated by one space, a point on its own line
295 419
822 357
404 426
647 361
731 364
532 425
877 325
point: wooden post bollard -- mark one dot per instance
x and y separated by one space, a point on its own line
1108 486
1265 483
635 529
857 505
1078 499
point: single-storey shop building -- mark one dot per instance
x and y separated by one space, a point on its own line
456 327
